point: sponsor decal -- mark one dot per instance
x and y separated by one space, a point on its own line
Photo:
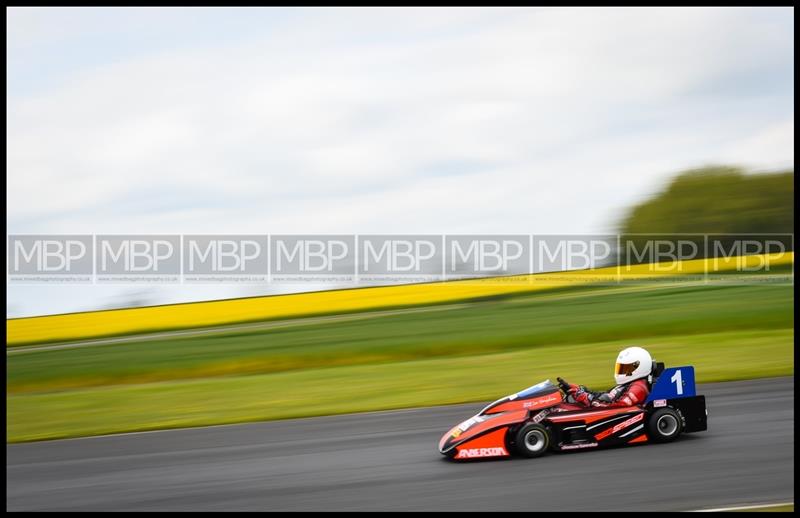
660 402
627 423
469 422
540 416
542 401
470 453
578 446
463 427
620 426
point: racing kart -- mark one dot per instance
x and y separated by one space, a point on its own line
543 418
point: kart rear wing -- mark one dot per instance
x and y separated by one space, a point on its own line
673 383
675 388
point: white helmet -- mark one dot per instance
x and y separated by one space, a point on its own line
632 363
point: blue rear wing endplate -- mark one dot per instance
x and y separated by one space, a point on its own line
674 383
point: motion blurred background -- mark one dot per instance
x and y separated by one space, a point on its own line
377 121
629 121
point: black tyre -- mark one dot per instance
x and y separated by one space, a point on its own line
664 425
532 440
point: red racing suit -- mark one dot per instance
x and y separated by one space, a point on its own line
628 394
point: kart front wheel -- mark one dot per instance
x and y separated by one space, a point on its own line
664 425
532 440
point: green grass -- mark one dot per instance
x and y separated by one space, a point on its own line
472 352
591 315
770 509
181 403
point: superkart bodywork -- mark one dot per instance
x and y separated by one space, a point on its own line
541 418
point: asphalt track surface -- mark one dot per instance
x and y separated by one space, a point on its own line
389 461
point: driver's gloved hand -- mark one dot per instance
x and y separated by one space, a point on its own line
581 395
578 389
604 398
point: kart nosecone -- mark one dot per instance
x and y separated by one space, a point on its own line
542 418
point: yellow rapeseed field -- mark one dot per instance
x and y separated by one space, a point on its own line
77 326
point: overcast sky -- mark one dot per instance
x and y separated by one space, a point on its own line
374 120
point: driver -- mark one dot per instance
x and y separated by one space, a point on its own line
633 366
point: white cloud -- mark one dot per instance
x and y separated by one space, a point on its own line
775 141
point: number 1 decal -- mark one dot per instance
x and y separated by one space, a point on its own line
675 382
676 378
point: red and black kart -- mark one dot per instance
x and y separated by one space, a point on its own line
543 418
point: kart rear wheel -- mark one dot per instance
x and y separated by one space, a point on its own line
664 425
532 440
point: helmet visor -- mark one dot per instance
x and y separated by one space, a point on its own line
625 369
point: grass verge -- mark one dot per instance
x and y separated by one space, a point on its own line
526 322
720 356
